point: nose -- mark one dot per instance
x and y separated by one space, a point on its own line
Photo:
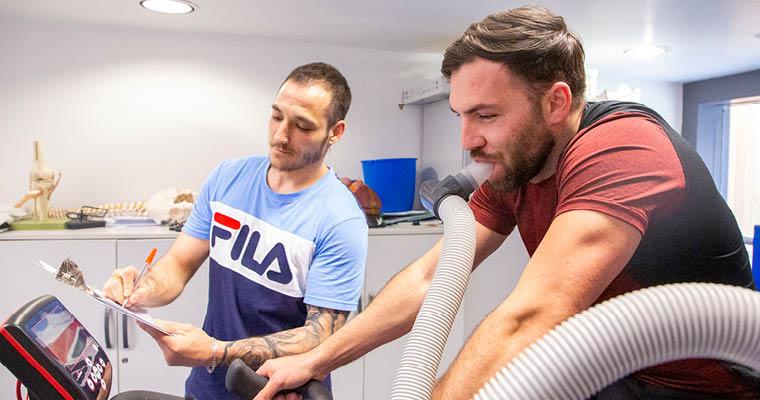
471 137
281 133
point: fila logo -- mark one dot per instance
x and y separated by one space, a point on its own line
245 246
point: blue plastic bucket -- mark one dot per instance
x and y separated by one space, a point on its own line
393 180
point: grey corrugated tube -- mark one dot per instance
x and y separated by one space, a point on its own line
424 348
615 338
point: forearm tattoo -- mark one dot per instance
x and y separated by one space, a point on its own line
320 324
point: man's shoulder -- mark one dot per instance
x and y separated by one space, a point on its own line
228 169
625 118
337 202
620 129
234 164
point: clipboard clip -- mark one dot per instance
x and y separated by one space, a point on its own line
70 274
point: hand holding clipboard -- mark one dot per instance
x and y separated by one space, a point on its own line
95 294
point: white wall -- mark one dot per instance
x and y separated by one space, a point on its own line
124 113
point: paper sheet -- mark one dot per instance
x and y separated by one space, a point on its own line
137 314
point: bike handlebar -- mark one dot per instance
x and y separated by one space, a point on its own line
246 383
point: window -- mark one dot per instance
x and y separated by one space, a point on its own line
743 169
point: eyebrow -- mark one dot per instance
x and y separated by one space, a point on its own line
475 108
298 118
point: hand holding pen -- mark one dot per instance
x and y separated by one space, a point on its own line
145 269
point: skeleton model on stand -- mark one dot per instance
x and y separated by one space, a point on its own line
42 183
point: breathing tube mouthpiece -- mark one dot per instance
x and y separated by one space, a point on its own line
461 184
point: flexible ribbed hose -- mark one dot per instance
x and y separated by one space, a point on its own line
647 327
424 348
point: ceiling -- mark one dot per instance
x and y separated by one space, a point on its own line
707 38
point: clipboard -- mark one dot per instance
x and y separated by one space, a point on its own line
97 295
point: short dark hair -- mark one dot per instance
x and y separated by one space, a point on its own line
332 80
534 43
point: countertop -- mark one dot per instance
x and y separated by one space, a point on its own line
162 232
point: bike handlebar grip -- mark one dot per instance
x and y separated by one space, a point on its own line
315 390
244 382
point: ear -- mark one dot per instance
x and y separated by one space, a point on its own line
557 103
336 132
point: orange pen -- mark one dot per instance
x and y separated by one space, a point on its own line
143 271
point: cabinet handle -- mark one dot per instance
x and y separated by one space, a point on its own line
370 298
361 306
107 328
124 330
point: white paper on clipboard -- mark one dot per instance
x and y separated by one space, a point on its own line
137 314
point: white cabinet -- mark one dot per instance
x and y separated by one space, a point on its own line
23 281
387 255
139 356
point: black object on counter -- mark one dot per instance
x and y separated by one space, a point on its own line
87 217
87 223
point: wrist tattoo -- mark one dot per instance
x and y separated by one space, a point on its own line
224 355
320 324
253 351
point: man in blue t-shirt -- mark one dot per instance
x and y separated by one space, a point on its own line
286 243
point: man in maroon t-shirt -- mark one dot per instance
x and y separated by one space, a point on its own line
607 198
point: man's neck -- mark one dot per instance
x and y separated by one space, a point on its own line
285 182
565 135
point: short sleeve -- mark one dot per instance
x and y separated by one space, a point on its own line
336 273
625 167
493 210
198 225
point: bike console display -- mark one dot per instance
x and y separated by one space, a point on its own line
52 354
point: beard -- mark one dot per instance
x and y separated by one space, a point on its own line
521 161
284 158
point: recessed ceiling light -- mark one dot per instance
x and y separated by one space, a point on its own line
169 6
646 51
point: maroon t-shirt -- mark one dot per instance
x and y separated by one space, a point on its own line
627 166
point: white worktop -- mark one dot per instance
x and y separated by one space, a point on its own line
162 232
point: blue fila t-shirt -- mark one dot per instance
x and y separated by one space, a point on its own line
270 254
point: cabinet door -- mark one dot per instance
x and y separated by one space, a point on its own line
494 280
24 281
141 363
387 255
348 381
